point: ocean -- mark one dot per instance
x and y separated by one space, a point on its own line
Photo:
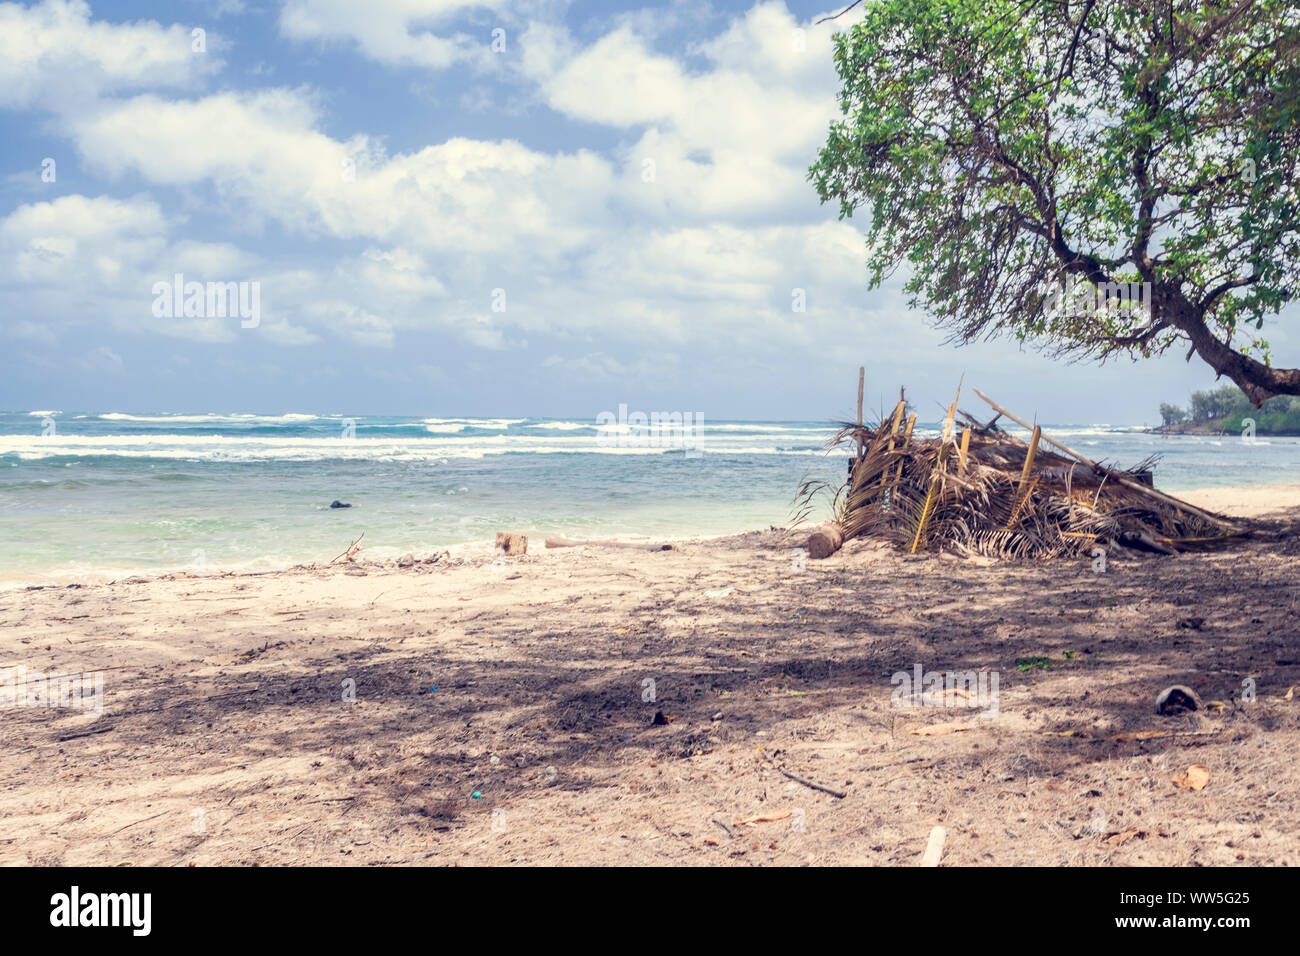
88 497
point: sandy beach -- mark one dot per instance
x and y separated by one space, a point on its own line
505 711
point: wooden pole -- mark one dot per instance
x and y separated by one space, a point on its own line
1115 476
1021 492
862 380
907 432
898 419
1029 457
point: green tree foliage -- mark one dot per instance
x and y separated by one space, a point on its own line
1171 414
1225 407
1006 147
1220 403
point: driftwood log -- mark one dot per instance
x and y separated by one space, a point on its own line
510 543
934 847
606 543
824 541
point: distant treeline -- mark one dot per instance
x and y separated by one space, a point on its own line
1223 409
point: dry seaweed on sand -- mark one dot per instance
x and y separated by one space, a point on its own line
979 490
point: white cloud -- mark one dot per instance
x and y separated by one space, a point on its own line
89 262
393 32
465 195
705 255
53 56
79 240
732 141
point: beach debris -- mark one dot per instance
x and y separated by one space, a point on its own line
934 847
1178 699
824 541
939 730
720 592
352 550
510 543
406 561
1191 623
660 720
764 818
808 783
339 504
557 542
1197 776
1121 837
978 491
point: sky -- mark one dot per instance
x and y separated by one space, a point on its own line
525 208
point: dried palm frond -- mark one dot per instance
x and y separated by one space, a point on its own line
993 494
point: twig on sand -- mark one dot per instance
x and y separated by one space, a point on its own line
88 733
816 786
282 838
51 677
730 832
349 553
138 822
764 818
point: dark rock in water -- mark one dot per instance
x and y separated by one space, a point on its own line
339 504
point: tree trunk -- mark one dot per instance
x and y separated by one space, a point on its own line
1260 382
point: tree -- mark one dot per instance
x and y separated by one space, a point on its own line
1207 406
1009 149
1172 414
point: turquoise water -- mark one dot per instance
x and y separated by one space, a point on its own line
84 496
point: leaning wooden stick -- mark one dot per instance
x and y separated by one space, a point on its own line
814 786
1025 486
1115 476
862 379
350 553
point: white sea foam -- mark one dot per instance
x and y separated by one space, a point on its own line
473 423
211 417
29 447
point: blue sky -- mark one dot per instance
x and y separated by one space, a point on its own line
630 178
